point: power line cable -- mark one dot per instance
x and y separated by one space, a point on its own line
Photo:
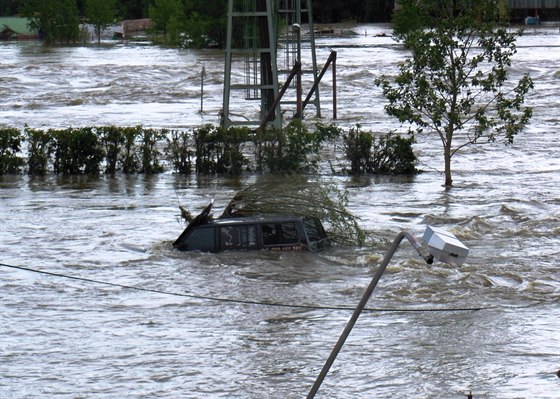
230 300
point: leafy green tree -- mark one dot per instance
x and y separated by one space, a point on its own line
133 9
162 12
101 14
206 22
193 23
456 81
8 7
56 20
196 28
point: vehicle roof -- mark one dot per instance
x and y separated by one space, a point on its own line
255 219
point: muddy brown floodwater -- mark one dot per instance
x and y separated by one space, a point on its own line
68 338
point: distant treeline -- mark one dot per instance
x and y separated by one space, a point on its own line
324 11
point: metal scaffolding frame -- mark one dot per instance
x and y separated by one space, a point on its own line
251 57
255 56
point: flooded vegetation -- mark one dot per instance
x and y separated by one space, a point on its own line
192 324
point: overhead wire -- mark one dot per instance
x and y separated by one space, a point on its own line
231 300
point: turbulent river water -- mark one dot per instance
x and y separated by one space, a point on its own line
69 338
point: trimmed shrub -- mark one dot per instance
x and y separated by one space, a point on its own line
150 151
76 151
219 150
10 146
112 141
357 148
130 160
288 150
293 149
179 152
39 150
390 154
206 143
328 132
393 155
231 159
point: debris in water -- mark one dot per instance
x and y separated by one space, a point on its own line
297 196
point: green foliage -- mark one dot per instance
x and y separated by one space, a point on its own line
388 154
174 28
231 160
409 18
219 150
58 21
150 151
393 155
101 14
328 132
179 151
76 151
113 149
112 139
456 81
133 9
129 157
8 7
215 32
196 27
289 149
164 12
357 148
325 11
39 150
295 195
206 145
10 144
194 24
203 30
206 23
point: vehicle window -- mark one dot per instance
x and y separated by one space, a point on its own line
201 239
279 233
313 229
236 237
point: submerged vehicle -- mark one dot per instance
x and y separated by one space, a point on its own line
269 232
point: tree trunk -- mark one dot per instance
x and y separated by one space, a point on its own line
447 157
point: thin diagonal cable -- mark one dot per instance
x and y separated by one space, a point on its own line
230 300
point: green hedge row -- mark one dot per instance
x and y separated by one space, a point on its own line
206 150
